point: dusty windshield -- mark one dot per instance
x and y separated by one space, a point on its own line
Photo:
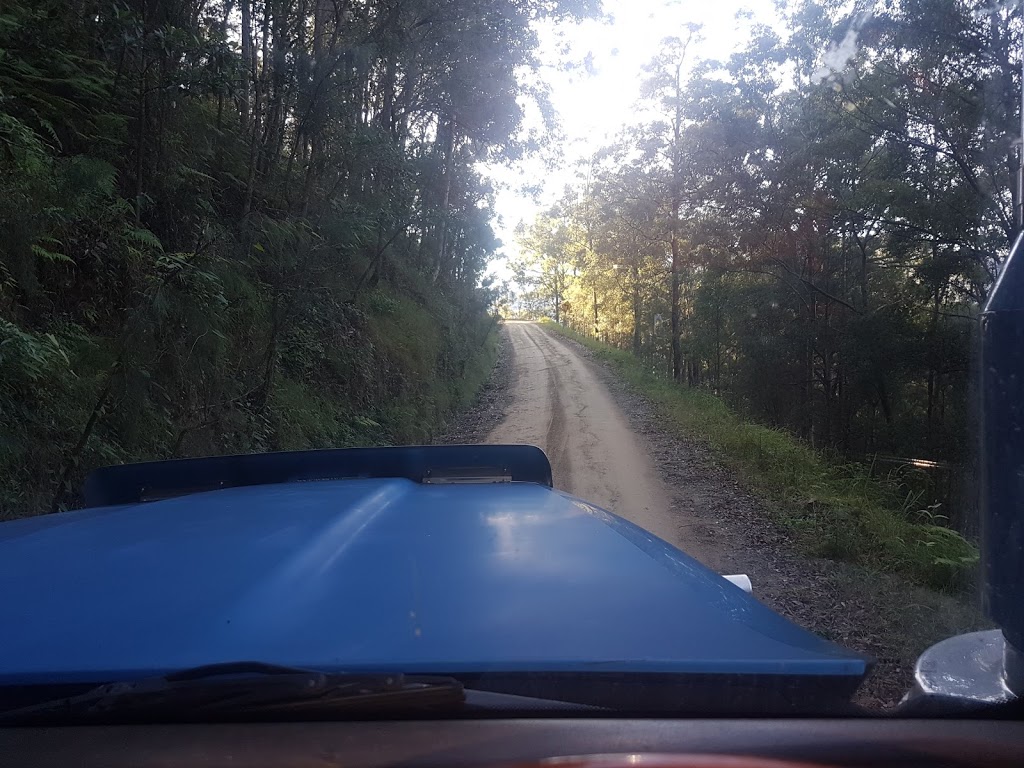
724 263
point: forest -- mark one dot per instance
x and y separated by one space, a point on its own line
809 227
246 225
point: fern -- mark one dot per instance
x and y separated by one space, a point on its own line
90 176
48 255
144 237
21 143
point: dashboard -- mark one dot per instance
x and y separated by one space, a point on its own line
523 742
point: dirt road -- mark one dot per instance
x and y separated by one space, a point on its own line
559 403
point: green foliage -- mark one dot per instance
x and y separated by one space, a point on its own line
211 250
834 510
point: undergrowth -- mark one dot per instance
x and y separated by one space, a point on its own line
833 510
390 369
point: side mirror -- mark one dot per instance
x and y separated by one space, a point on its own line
985 668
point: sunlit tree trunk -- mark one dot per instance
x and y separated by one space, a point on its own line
674 212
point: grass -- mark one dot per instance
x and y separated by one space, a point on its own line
478 370
442 366
838 511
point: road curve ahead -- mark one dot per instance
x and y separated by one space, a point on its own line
560 405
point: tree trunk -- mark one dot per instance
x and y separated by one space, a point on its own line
806 418
254 106
637 310
677 351
72 461
718 346
276 111
933 359
558 299
448 150
247 60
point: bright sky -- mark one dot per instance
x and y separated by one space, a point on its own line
596 97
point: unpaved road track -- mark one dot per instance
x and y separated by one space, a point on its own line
559 404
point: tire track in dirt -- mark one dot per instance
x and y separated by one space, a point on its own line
560 405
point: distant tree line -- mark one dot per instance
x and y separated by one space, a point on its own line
235 225
810 226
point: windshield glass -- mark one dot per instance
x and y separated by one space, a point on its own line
724 263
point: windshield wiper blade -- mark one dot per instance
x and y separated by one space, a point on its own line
247 689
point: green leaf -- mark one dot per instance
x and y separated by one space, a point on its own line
143 236
43 253
60 350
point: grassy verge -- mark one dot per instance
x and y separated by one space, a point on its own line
835 511
478 370
393 369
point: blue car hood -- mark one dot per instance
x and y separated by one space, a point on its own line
376 574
